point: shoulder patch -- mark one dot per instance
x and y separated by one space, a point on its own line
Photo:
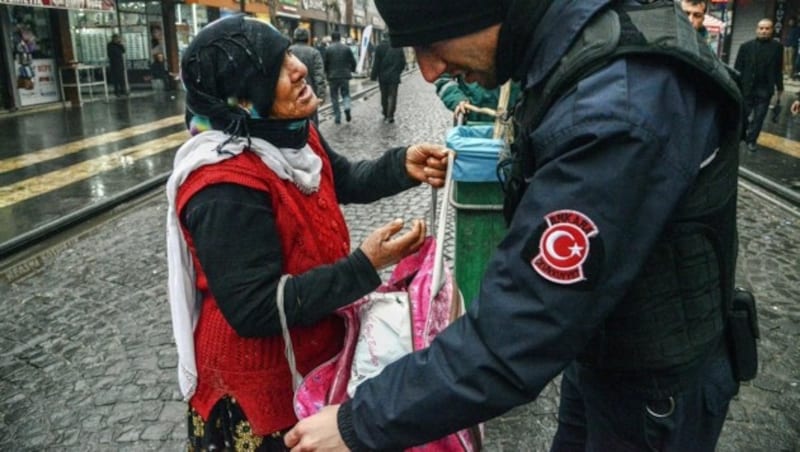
564 247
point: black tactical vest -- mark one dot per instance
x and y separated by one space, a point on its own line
674 313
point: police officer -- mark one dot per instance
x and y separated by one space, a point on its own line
618 263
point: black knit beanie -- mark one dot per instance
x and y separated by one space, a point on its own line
423 22
234 57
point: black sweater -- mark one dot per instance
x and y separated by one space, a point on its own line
235 237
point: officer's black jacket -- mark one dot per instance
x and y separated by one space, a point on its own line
620 150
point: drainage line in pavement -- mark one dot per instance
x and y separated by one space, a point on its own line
63 223
50 229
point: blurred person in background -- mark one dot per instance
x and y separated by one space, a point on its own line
340 63
388 66
116 65
760 63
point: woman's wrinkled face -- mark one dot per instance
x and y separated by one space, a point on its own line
294 98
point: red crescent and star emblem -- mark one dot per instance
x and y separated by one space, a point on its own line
564 247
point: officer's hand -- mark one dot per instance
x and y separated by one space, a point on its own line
318 432
796 107
383 247
427 163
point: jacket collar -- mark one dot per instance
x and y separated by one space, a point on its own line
559 27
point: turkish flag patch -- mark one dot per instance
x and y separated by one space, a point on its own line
564 247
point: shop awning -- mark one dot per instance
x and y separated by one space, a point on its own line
251 6
95 5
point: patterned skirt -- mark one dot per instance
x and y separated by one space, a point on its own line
227 429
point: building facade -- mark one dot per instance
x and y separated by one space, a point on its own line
53 48
42 41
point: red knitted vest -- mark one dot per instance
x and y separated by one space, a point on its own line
254 371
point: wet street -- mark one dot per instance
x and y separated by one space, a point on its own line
87 360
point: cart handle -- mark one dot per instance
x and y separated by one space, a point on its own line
441 226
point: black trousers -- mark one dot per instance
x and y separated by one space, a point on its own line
388 99
117 76
756 105
596 415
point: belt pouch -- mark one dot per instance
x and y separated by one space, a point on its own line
742 335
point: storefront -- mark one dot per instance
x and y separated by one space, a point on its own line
315 19
29 55
189 19
138 23
286 16
717 25
192 15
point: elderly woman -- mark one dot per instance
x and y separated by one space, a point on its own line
255 195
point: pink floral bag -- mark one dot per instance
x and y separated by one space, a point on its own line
412 288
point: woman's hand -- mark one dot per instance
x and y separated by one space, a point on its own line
427 163
384 248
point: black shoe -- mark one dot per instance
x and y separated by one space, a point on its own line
390 120
347 115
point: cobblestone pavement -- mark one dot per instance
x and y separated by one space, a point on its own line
86 354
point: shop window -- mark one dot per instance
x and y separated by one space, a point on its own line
91 32
31 30
33 51
189 19
138 23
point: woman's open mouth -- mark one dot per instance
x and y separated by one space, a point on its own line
305 94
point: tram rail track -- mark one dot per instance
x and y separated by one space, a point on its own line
64 228
33 241
80 222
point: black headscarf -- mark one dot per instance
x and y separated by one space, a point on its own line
235 58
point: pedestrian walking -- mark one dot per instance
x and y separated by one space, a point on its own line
760 63
618 264
320 45
254 199
116 64
312 59
388 66
339 66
